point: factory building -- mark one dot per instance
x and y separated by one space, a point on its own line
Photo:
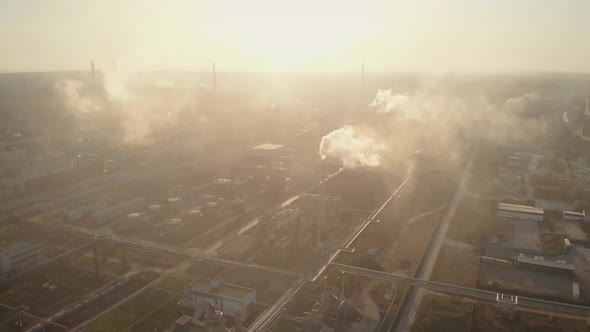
540 263
231 300
19 256
519 212
574 216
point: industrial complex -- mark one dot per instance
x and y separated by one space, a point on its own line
230 220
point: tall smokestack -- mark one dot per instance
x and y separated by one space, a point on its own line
92 71
362 92
214 79
586 109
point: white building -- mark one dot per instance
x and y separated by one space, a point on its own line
574 216
519 212
232 300
19 256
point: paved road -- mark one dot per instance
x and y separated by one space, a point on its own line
410 310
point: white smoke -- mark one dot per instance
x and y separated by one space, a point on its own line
143 105
351 147
119 90
116 85
71 94
385 102
520 104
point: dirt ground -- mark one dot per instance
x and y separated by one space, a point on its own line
474 221
527 282
486 320
463 271
439 313
409 248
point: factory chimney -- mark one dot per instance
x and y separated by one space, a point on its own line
586 109
92 71
214 79
362 92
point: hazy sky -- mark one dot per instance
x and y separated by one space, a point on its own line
297 35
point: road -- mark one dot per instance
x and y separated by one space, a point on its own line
410 310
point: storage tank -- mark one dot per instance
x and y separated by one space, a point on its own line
211 210
193 216
175 205
155 212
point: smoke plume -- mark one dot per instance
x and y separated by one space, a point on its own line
440 120
70 93
351 147
385 102
142 105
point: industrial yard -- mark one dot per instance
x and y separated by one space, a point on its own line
293 203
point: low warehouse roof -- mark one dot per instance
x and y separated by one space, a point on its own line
520 208
546 263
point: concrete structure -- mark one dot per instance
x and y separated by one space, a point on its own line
519 212
267 147
539 263
567 245
575 290
574 216
19 256
506 305
232 300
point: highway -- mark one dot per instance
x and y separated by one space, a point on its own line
409 311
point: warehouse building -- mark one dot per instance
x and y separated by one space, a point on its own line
232 300
519 212
19 256
539 263
574 216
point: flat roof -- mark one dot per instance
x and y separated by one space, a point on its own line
574 213
225 290
545 263
268 147
520 208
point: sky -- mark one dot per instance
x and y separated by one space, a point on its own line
297 35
